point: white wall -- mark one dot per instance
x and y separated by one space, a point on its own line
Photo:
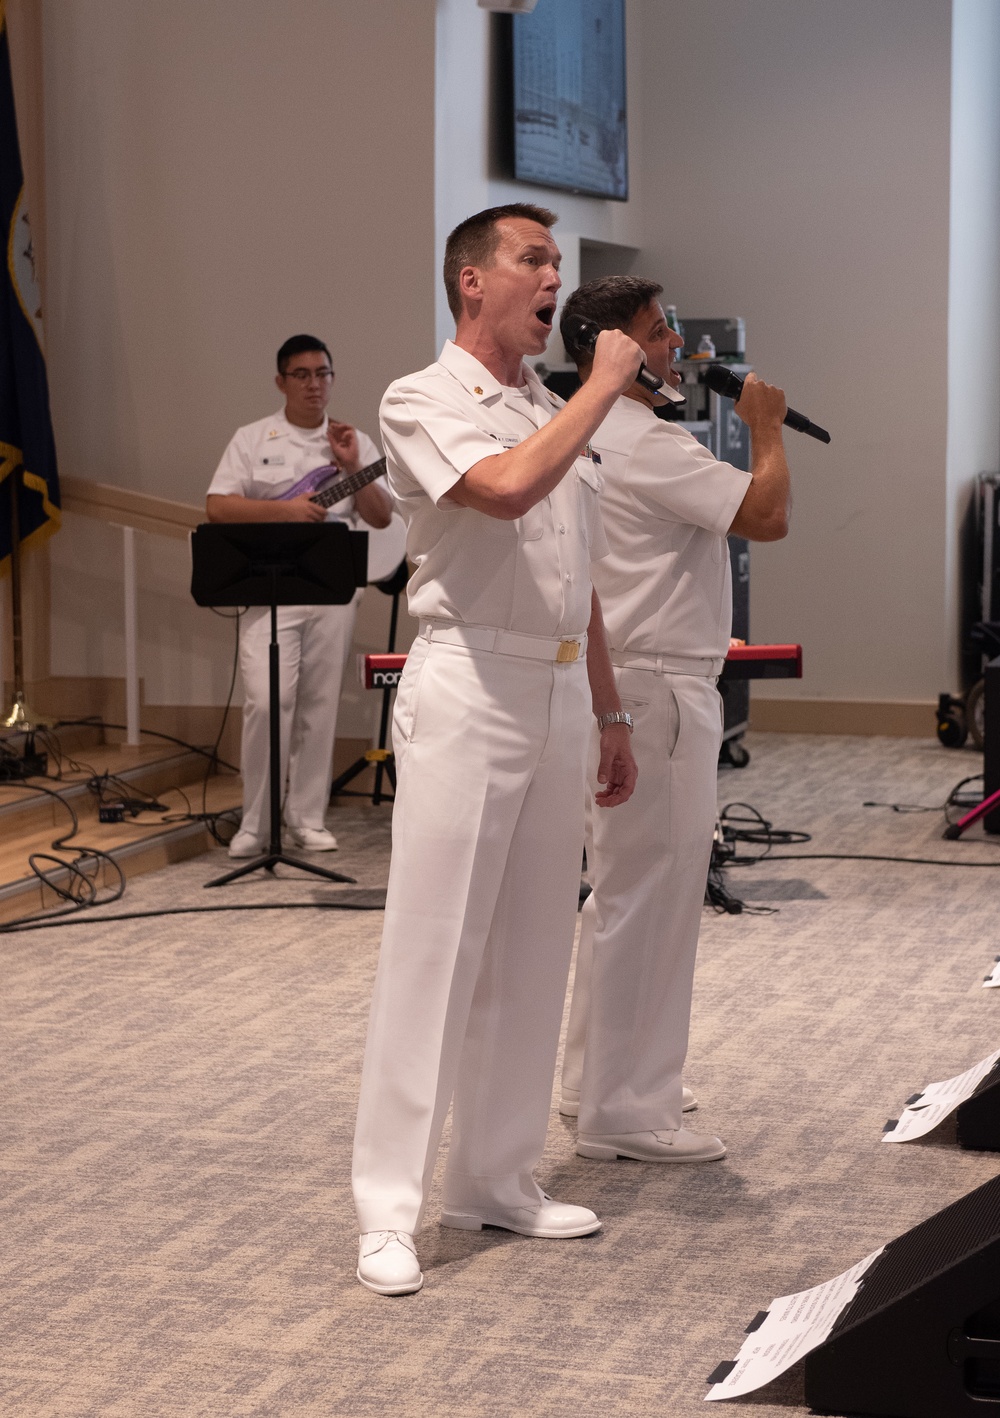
465 179
797 173
219 176
974 268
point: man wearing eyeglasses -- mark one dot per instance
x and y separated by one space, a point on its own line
262 461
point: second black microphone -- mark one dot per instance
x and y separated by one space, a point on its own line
725 382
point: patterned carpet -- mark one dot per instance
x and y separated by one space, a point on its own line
178 1100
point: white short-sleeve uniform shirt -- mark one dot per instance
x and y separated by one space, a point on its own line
531 575
666 586
266 458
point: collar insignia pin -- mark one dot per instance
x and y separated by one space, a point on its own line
477 390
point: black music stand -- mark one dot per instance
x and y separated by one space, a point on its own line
277 564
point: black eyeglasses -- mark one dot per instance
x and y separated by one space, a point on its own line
303 376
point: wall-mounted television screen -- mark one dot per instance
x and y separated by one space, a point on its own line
570 129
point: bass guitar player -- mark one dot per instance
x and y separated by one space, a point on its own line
257 480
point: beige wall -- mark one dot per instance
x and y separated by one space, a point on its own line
222 172
221 175
797 173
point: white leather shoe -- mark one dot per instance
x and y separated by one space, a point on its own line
554 1220
674 1145
312 839
245 844
387 1263
569 1104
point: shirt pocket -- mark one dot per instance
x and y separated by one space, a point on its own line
532 525
268 482
588 487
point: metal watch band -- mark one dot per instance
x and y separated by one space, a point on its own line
617 716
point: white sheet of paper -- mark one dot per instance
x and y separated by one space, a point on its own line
794 1325
937 1100
993 978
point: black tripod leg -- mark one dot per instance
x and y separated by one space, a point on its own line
274 859
309 866
258 864
348 776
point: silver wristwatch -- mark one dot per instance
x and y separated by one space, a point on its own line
617 716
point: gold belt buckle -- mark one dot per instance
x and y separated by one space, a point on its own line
569 650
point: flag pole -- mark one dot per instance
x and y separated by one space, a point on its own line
20 718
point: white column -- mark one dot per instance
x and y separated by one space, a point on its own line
131 640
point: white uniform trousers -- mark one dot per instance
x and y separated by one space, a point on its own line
648 864
314 642
487 836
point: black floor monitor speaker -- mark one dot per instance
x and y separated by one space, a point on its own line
978 1117
921 1338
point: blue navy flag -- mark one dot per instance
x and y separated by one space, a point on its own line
25 427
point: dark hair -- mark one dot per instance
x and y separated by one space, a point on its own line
300 344
474 243
610 303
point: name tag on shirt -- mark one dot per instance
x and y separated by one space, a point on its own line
274 460
508 440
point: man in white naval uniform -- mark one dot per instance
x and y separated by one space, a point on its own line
263 460
490 735
668 505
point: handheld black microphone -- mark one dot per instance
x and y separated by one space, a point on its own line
725 382
584 335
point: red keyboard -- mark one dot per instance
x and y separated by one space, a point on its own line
742 662
763 662
380 671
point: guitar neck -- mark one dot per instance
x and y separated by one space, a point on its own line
343 487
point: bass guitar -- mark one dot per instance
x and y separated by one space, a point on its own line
328 485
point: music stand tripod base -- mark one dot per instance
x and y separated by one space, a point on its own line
272 859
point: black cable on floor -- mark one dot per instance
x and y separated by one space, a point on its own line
859 857
955 799
82 889
751 826
740 822
75 918
96 723
126 791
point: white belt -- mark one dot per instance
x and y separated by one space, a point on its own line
505 642
669 664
